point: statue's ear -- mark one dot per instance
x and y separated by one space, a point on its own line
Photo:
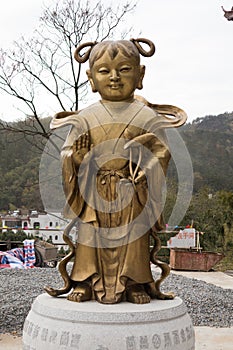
141 76
89 75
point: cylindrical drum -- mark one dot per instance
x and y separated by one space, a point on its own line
59 324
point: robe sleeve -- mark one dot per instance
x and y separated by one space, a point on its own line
74 200
155 168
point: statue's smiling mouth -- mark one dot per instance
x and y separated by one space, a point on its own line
115 86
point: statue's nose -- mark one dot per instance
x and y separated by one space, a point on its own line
114 75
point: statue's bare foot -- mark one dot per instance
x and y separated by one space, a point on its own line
81 292
136 294
165 296
154 292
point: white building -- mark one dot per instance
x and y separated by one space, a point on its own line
43 225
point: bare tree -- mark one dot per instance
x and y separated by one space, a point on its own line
44 65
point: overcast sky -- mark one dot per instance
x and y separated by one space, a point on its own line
193 64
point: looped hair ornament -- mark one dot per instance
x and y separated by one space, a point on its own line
140 48
83 58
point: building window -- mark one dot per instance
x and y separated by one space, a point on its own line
50 224
13 223
51 238
36 225
56 237
25 224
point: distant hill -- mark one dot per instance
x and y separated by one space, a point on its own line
222 123
19 167
209 141
210 144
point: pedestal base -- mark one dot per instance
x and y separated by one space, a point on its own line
59 324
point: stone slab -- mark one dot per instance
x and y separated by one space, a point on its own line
213 338
58 324
217 278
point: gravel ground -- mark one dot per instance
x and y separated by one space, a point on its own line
207 304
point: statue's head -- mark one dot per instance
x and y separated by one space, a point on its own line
115 70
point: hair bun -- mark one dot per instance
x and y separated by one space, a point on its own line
83 58
140 48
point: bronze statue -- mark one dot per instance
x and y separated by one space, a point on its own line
114 161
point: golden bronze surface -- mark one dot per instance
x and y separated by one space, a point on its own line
114 163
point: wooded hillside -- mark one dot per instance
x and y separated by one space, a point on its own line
209 141
210 144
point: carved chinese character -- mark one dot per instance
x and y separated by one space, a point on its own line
156 341
53 337
44 334
35 332
30 328
176 337
144 342
167 340
183 336
64 338
130 343
75 340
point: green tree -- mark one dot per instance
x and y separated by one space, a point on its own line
12 236
209 213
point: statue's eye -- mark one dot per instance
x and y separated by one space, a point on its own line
103 70
125 69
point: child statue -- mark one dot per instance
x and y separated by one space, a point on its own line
114 161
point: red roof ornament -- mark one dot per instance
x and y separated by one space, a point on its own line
228 14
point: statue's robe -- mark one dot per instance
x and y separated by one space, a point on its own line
116 214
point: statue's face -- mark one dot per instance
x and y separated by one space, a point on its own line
116 79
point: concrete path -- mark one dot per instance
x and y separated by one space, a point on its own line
207 338
10 342
210 338
218 278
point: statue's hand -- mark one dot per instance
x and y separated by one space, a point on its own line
80 148
141 176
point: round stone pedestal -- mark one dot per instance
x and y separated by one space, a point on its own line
59 324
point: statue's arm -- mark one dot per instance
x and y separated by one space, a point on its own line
75 149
